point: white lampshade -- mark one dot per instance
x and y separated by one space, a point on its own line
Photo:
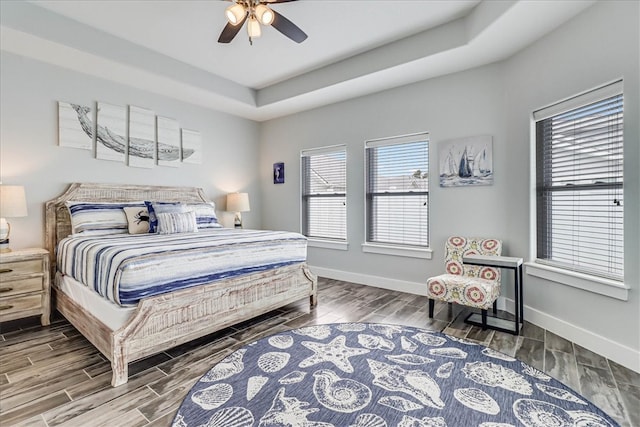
264 14
238 202
13 202
253 28
235 13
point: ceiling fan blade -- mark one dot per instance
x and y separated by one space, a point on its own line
230 31
288 28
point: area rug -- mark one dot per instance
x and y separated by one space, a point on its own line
378 375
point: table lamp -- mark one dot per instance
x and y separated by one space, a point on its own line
13 204
238 202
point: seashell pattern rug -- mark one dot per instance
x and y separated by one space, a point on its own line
378 375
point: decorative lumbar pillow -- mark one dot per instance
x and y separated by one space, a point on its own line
177 222
155 208
137 219
99 218
205 215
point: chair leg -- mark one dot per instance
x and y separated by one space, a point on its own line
432 303
495 307
484 320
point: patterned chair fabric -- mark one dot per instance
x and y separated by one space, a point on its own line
470 285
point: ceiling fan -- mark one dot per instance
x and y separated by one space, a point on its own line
258 12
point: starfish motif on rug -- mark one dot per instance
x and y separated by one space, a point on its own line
335 352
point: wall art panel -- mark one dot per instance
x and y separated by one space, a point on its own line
169 152
142 137
75 126
111 132
191 146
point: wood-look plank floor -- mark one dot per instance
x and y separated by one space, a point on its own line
52 376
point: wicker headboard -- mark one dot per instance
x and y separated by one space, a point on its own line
58 222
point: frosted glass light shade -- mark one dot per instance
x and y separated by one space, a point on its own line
235 13
253 28
264 14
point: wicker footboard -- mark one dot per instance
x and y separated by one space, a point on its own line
164 321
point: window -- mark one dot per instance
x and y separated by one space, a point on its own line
324 193
579 177
397 191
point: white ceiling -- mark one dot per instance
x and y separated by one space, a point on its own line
354 47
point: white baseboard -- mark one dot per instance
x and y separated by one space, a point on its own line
612 350
376 281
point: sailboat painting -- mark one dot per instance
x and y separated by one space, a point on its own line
466 161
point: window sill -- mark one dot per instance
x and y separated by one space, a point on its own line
328 244
598 285
397 251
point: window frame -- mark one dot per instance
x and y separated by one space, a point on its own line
387 248
554 271
322 241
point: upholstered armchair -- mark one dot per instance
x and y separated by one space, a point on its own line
470 285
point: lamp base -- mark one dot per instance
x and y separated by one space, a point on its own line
237 221
4 246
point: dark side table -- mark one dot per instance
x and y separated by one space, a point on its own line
495 322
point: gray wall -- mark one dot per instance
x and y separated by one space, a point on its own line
30 156
598 46
460 105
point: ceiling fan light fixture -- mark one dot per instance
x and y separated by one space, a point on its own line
264 14
235 13
253 28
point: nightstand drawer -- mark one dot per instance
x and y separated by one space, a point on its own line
10 306
9 270
23 286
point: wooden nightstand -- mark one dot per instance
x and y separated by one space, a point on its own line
25 288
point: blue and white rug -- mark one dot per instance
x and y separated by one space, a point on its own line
375 375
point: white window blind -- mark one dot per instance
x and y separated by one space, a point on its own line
579 159
397 190
324 193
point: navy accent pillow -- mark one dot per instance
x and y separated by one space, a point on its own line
155 208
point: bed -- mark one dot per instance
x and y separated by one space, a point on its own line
159 322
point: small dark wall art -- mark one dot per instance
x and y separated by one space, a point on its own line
278 173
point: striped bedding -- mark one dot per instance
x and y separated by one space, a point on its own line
125 268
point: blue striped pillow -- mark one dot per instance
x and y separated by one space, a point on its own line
155 208
205 214
99 218
177 222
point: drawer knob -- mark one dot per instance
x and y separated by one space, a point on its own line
3 290
5 307
5 270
